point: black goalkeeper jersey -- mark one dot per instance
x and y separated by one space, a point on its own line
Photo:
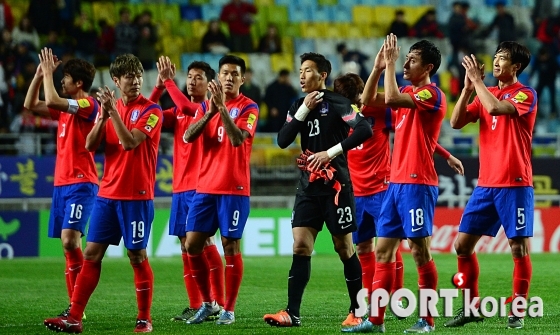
324 127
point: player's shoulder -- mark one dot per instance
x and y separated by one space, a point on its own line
335 97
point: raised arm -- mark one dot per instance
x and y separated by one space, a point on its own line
166 71
52 99
32 101
370 96
295 119
459 116
393 97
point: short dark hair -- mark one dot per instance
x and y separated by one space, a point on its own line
429 54
125 64
399 12
517 53
323 64
340 47
349 85
208 70
231 59
284 72
80 69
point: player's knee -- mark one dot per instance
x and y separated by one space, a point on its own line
420 255
302 249
518 248
364 247
231 246
137 256
462 248
70 244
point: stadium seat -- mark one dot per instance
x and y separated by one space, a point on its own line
179 2
283 2
190 13
287 44
211 11
199 28
170 13
276 14
281 61
173 48
335 30
243 56
199 2
183 29
362 14
340 13
349 3
299 13
212 59
188 58
321 14
312 30
326 46
104 10
261 4
303 45
292 30
328 3
383 16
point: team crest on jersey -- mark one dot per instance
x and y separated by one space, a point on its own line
520 97
324 109
234 112
507 95
423 95
135 115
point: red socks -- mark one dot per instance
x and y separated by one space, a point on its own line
522 272
428 278
74 262
234 274
201 274
195 301
399 272
468 266
85 285
216 266
144 282
367 261
383 278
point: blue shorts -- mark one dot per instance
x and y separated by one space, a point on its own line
490 207
71 207
210 212
180 205
407 211
368 209
129 219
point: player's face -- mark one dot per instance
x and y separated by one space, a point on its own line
310 78
130 84
197 84
414 70
68 85
502 68
231 78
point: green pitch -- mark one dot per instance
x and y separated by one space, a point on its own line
34 289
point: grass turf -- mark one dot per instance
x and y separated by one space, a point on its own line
34 289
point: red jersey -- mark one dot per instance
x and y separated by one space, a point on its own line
224 169
186 156
416 134
505 140
130 175
75 164
370 162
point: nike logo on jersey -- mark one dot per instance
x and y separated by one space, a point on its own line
72 221
416 229
400 123
232 229
519 228
180 117
134 242
344 227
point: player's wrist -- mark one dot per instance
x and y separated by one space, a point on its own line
302 112
334 151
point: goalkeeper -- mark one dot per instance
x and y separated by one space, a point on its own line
324 192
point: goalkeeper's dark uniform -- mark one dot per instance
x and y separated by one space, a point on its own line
324 127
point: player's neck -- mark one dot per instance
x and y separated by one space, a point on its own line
198 99
79 95
231 96
505 83
126 99
420 83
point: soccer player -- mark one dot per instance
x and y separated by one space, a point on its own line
369 165
221 201
408 206
323 120
186 161
504 193
124 206
75 175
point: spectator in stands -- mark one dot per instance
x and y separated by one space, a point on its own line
24 71
126 34
148 38
214 40
6 16
68 10
279 96
84 31
238 15
54 43
249 88
427 26
270 43
26 32
45 15
105 44
355 57
504 22
399 27
546 68
542 10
